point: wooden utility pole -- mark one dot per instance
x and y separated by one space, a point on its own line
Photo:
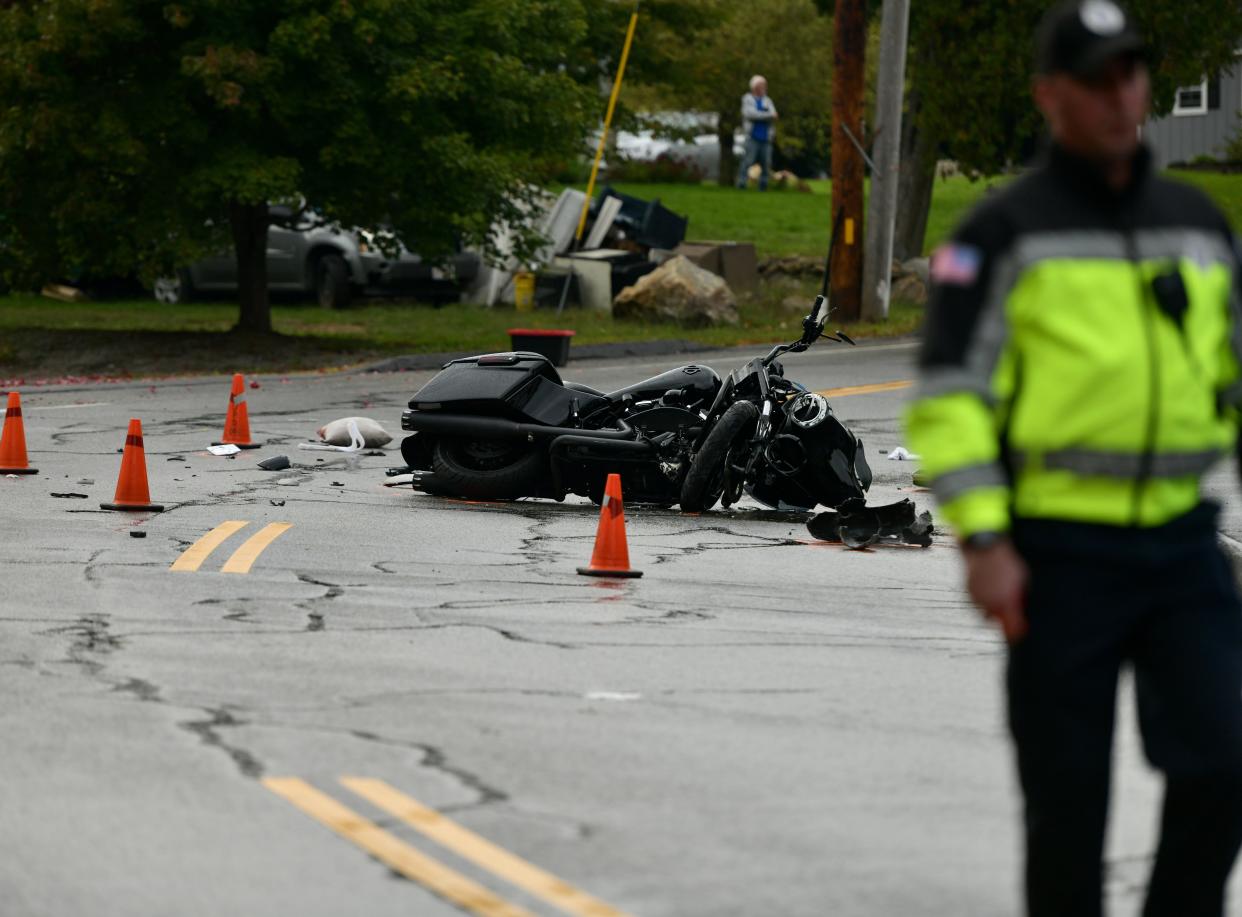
849 50
882 208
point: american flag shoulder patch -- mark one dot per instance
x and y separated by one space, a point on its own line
955 264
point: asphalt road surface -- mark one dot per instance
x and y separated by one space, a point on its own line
364 700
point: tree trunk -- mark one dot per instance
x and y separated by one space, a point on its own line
728 162
249 222
914 188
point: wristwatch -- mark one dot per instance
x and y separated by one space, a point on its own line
981 541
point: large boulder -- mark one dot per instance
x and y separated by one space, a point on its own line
909 289
681 292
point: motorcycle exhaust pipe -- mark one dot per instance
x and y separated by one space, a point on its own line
640 449
498 428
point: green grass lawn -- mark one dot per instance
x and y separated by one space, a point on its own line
794 223
791 222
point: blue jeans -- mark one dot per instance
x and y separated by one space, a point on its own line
757 151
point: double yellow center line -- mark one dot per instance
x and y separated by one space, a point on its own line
431 874
242 559
864 389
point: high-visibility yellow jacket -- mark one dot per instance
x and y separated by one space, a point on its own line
1082 352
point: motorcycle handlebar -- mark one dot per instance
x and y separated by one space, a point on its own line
795 347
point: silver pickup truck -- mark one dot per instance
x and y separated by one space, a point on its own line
333 264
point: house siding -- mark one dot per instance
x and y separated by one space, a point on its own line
1182 138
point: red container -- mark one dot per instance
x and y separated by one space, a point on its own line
553 343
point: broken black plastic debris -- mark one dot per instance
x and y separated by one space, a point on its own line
859 526
276 502
337 484
374 452
70 495
175 458
275 463
137 533
401 469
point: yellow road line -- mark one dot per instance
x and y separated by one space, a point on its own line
392 851
245 556
192 557
479 850
864 389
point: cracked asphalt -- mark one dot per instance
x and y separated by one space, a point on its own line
761 725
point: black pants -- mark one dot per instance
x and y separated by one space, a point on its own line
1164 601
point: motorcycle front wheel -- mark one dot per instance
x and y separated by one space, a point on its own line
705 481
487 468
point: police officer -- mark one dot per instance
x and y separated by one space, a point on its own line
1080 372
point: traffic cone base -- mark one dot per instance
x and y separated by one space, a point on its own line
132 494
611 557
134 507
13 440
237 418
594 571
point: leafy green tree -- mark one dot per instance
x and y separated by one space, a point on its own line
788 41
970 69
144 132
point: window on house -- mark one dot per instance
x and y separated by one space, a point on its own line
1198 99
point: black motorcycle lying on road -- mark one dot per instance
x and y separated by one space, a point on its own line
505 425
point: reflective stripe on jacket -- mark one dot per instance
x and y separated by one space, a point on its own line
1082 353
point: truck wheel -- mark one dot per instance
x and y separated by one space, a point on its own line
332 286
487 468
705 481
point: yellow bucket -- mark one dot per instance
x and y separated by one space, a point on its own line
524 291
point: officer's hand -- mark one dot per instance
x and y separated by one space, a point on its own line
996 578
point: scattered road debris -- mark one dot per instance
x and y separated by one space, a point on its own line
137 533
858 526
340 432
902 454
225 449
71 495
276 502
275 463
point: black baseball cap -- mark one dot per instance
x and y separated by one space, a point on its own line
1079 37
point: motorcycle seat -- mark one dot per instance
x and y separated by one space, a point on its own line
585 389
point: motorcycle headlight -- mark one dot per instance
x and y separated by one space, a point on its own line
809 410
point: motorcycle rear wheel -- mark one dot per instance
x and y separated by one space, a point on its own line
487 468
705 481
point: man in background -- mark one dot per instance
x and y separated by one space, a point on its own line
758 115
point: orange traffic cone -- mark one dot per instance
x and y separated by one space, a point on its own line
611 557
13 440
131 487
237 420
